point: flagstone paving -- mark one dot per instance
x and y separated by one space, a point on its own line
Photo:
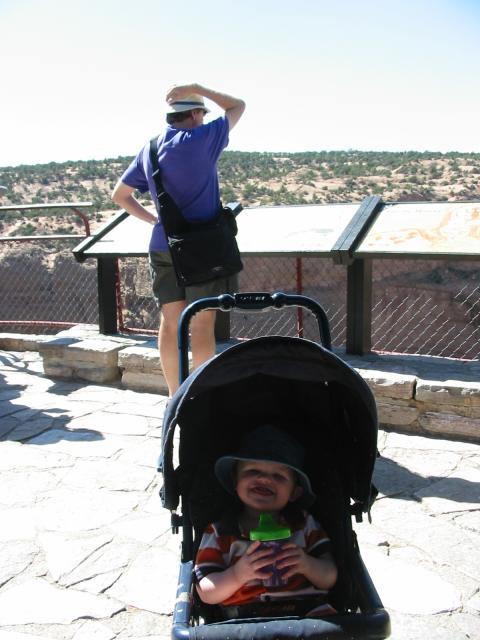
86 551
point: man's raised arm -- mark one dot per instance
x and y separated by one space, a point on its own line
233 107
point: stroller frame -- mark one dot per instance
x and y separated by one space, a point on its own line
368 619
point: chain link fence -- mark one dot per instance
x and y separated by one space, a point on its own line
419 306
43 289
427 307
313 277
319 279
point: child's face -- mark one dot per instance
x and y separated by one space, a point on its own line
266 486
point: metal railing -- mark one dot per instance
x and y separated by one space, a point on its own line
51 209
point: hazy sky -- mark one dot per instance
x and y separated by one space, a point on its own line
84 79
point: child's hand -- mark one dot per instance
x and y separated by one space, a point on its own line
251 564
322 571
293 560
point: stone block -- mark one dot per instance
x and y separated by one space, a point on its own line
141 369
142 381
389 384
55 361
97 374
95 360
55 347
448 392
140 359
396 414
20 341
450 425
465 411
57 370
80 331
100 352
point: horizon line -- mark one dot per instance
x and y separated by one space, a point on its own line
288 153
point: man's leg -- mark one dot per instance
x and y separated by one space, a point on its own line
170 298
167 342
202 326
202 337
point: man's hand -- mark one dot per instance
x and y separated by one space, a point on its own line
233 107
123 196
252 564
178 92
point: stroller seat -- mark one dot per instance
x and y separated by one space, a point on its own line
307 390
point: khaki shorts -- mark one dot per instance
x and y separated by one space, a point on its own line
166 289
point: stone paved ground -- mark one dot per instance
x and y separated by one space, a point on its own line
85 548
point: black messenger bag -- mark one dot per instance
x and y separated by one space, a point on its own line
200 251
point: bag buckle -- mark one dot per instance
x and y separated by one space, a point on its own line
176 521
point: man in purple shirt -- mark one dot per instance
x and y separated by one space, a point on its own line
188 152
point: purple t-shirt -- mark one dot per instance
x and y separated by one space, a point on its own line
188 165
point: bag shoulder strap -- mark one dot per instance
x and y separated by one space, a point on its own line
170 214
155 167
154 161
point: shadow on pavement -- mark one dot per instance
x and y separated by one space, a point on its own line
22 423
395 481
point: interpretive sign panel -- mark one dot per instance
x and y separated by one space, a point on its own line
433 229
311 229
128 238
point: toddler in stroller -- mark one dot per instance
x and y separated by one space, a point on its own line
266 475
314 397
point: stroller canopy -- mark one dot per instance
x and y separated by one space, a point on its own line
293 382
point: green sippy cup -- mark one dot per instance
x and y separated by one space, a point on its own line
270 533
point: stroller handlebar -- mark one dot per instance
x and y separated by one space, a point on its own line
249 301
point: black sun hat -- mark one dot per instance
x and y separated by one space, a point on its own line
272 444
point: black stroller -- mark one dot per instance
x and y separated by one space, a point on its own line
328 407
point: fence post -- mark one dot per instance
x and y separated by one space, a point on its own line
222 327
107 299
359 307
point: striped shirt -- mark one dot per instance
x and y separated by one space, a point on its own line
223 544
